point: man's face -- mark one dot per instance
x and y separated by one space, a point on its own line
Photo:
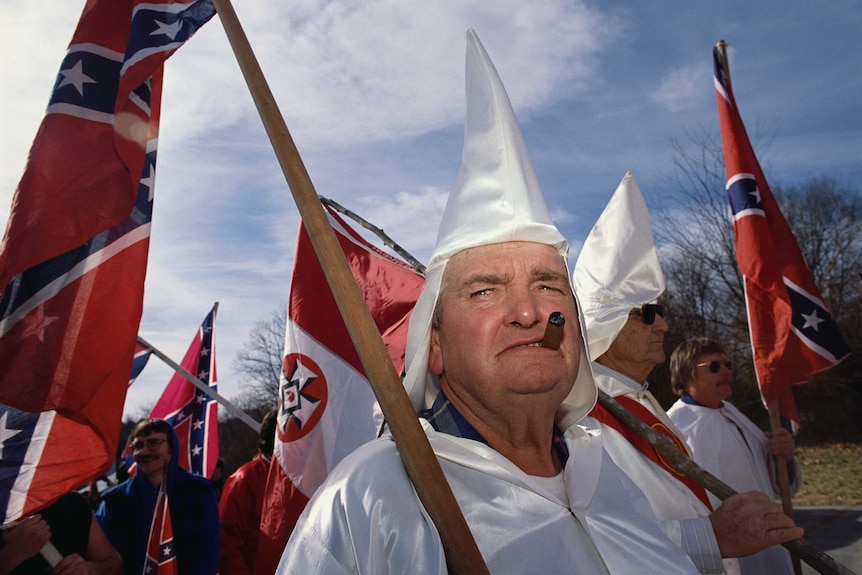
151 452
495 302
638 348
710 388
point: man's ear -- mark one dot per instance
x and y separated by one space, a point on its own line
435 354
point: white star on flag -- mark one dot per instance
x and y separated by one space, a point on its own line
150 180
169 30
6 433
756 194
75 76
812 320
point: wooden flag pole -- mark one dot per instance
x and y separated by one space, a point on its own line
722 49
783 477
781 462
384 237
817 559
462 553
203 387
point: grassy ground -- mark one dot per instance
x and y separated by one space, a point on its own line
831 475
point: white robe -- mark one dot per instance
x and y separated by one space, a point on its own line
367 519
671 500
727 444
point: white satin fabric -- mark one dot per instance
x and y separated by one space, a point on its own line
728 444
671 500
496 198
617 269
366 518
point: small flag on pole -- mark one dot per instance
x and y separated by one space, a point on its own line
161 557
192 413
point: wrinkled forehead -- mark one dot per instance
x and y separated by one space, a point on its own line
499 262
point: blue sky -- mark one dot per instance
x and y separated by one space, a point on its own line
373 95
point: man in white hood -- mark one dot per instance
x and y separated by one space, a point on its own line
500 409
618 280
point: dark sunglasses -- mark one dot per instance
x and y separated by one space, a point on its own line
715 365
648 311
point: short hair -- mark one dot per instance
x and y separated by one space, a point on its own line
150 426
266 444
682 360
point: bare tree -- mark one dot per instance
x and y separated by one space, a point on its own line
696 246
260 360
827 222
705 294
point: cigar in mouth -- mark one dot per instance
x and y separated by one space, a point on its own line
554 331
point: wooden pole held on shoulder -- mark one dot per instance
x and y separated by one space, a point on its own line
462 553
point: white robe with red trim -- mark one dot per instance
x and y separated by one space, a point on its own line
671 500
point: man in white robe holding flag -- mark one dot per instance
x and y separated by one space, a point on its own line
500 408
724 441
618 279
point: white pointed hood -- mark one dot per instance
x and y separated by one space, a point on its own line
618 268
496 198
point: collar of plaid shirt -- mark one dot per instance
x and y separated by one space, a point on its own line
444 418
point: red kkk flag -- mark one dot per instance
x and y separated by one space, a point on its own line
792 331
161 557
326 406
192 413
73 259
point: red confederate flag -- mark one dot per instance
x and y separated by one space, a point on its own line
792 331
192 413
73 259
161 557
326 406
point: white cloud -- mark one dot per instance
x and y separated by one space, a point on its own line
681 88
372 93
347 73
411 219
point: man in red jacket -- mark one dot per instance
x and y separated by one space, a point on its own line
241 504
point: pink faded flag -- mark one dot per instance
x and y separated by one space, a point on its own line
73 258
326 406
192 413
792 331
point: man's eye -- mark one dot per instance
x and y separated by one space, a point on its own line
481 292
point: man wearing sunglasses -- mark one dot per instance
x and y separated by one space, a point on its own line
618 280
723 440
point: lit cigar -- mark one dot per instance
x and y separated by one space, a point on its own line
554 331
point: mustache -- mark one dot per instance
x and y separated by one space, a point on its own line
146 458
